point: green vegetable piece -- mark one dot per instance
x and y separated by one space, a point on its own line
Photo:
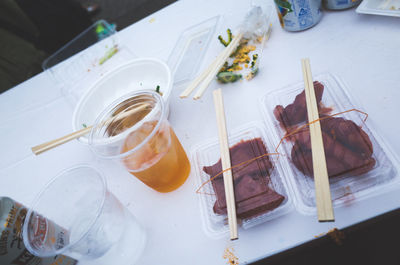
226 43
100 29
158 89
228 77
84 125
113 50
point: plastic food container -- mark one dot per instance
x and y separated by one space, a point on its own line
208 153
85 59
340 4
188 53
345 189
379 7
257 29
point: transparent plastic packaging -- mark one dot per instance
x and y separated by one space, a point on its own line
207 154
380 7
188 53
85 59
358 163
255 22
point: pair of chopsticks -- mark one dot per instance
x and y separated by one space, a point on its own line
38 149
205 78
322 189
226 163
321 179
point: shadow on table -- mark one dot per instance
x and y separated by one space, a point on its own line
30 31
372 242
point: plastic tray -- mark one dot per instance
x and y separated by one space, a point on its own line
380 7
85 59
186 57
208 153
344 189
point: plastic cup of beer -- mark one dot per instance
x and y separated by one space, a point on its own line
76 216
134 131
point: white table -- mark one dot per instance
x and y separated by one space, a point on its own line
362 50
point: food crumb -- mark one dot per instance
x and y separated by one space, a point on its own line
230 257
319 235
337 236
152 20
109 53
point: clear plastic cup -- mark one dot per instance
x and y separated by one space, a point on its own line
134 131
75 215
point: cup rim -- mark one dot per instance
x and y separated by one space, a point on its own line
82 101
115 103
35 201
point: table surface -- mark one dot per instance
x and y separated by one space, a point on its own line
360 49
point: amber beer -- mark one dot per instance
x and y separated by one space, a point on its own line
135 130
12 248
161 163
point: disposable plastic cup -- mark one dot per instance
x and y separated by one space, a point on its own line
134 131
75 215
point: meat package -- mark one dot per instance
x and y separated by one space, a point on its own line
253 196
260 188
356 160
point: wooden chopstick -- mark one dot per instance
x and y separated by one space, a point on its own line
226 163
38 149
215 68
209 73
321 179
200 78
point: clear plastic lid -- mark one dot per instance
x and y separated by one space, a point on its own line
261 192
188 53
358 164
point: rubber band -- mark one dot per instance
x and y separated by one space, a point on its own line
235 166
276 149
319 119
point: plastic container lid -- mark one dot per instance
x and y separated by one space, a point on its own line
188 53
